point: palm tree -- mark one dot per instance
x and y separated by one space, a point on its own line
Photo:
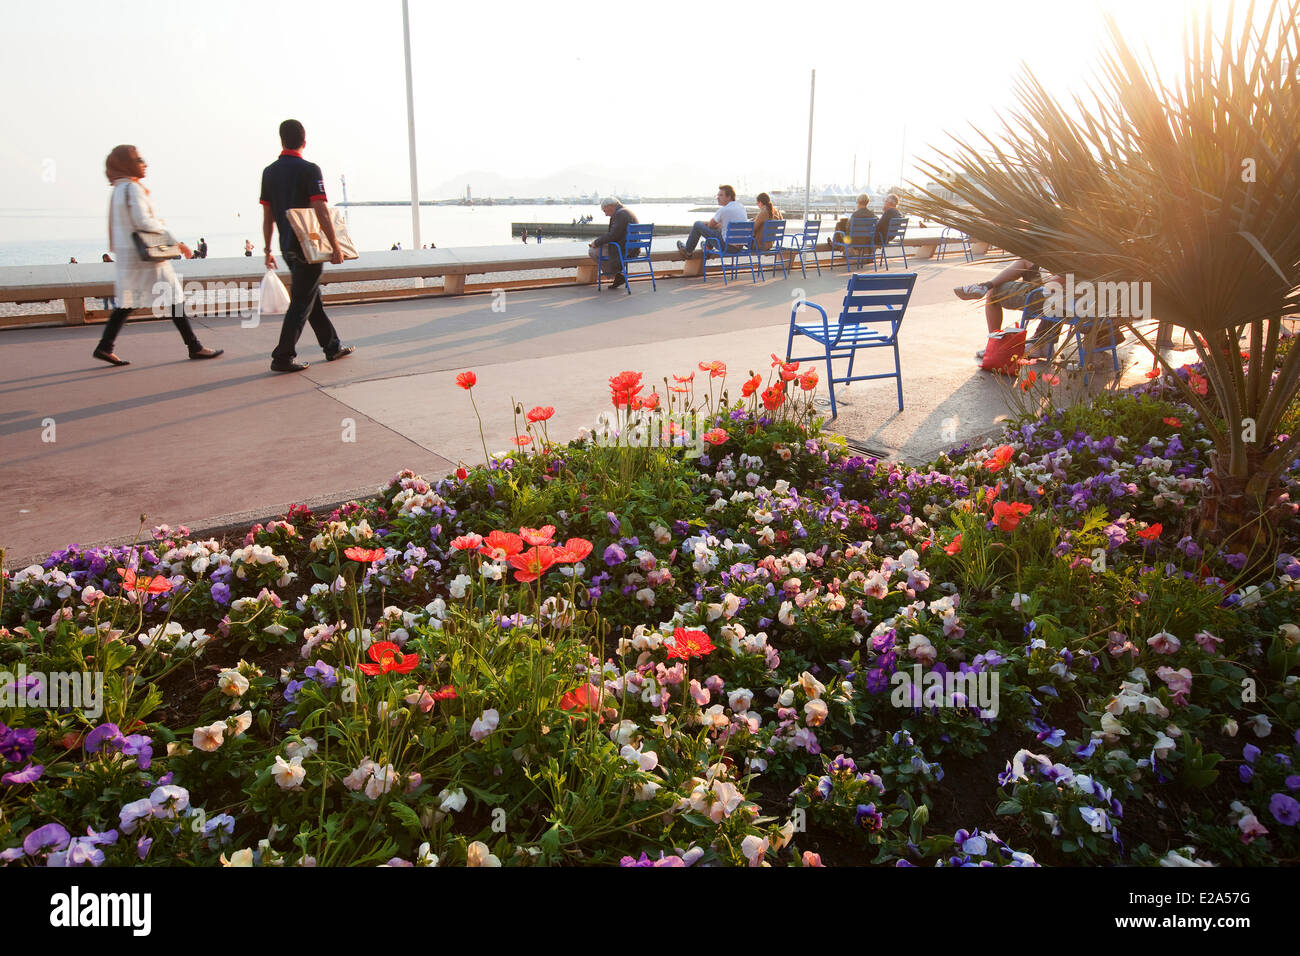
1192 187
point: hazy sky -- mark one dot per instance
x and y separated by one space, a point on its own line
665 97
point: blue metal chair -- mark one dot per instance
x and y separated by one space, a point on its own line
1081 327
737 241
636 244
871 300
897 233
858 245
951 235
805 242
772 243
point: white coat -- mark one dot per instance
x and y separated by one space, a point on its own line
140 283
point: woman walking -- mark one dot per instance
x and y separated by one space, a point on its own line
139 280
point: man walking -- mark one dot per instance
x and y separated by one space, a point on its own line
293 183
728 211
620 217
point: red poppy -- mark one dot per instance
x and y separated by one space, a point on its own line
1154 373
462 473
387 656
1198 383
679 389
467 380
540 413
145 585
446 692
773 397
543 535
1027 382
688 378
752 386
533 563
572 551
1151 533
624 387
955 546
991 493
523 440
502 544
688 644
715 369
809 380
467 542
717 436
1172 422
365 555
651 401
583 697
1007 514
1000 458
785 366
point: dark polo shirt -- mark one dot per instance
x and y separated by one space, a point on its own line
290 183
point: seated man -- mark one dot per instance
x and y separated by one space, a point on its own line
619 219
887 216
729 211
862 215
1012 288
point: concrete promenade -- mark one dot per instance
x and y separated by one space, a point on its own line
225 442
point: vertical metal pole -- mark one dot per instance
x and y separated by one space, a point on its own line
410 128
807 183
343 181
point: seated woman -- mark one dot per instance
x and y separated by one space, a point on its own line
766 213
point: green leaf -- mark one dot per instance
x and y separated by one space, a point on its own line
486 796
1009 808
405 816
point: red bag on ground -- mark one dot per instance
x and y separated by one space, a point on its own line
1003 350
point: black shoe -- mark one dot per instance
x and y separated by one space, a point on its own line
110 358
619 280
343 352
202 353
289 366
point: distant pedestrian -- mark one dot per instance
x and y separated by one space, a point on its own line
108 302
524 235
539 235
248 247
131 210
72 261
293 183
203 248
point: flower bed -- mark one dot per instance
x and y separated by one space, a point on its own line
764 651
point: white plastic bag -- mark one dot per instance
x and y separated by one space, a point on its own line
274 300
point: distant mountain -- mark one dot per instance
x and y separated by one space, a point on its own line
677 179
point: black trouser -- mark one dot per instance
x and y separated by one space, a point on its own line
304 306
118 319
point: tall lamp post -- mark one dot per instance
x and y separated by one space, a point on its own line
410 128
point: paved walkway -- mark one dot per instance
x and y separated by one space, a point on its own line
225 442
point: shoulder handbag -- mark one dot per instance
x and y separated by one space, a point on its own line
156 246
315 245
152 246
